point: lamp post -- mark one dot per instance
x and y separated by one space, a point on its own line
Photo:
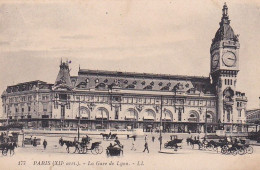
79 120
161 124
206 123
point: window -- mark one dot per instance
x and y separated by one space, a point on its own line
228 116
230 82
29 108
179 115
225 81
44 106
237 104
22 109
239 113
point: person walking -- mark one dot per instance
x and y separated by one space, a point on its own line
153 138
133 145
34 142
44 144
145 138
146 147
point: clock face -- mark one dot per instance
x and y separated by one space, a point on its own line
215 60
229 59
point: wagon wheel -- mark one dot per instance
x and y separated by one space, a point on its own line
241 151
165 145
81 150
4 152
94 151
249 150
215 148
234 152
224 150
100 149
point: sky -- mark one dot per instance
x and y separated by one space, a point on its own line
168 36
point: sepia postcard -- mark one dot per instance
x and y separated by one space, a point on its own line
130 84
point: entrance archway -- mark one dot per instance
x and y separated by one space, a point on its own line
193 119
132 117
149 118
102 115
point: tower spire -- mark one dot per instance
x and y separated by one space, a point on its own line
225 17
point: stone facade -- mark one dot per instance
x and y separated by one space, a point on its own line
125 100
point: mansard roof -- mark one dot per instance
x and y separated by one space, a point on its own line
100 79
139 75
27 86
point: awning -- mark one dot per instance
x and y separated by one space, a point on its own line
149 117
99 116
167 117
130 116
84 115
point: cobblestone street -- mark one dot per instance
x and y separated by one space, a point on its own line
185 158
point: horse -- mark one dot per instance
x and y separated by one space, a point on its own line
195 142
113 136
9 146
188 140
61 142
71 144
105 136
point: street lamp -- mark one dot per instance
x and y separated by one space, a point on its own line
161 124
206 123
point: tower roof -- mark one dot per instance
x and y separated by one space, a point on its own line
225 31
63 77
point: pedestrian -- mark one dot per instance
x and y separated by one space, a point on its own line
145 138
153 138
134 137
44 144
34 142
75 140
146 147
133 145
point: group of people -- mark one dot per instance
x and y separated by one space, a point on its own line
34 142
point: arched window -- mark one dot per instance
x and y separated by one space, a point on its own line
102 113
149 115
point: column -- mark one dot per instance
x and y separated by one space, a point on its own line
202 129
186 128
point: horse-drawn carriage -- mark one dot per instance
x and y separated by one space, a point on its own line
108 136
82 147
95 148
114 150
174 143
5 147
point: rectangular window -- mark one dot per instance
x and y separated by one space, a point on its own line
29 108
179 115
44 106
230 82
22 109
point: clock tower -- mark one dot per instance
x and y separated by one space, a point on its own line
224 68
